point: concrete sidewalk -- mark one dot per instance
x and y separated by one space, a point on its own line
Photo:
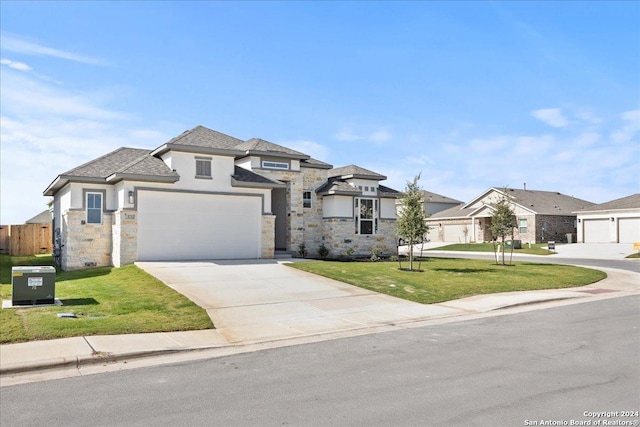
91 350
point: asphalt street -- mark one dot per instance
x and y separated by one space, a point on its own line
560 365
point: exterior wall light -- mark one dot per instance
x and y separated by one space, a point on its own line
131 200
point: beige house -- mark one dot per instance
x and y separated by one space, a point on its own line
541 216
207 195
617 221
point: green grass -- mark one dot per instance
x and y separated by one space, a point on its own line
106 300
535 249
449 279
635 255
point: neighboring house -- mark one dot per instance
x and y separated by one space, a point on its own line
44 217
540 216
207 195
617 221
432 203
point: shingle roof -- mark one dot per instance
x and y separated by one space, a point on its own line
44 217
547 202
383 190
629 202
454 212
540 202
246 176
201 136
355 172
315 163
335 185
123 161
262 146
110 163
428 196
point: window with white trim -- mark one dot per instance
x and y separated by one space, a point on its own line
522 225
203 167
306 199
94 208
365 215
268 164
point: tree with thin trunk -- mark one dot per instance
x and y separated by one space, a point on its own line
502 222
411 222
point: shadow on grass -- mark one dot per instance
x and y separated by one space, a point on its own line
79 301
464 270
83 274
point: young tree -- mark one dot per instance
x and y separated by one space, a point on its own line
502 222
411 222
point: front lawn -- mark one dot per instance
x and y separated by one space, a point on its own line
448 279
106 301
535 249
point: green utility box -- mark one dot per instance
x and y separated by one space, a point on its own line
33 285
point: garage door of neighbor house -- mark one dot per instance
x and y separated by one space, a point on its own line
629 229
596 231
455 233
188 226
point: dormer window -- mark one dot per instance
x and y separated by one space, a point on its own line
268 164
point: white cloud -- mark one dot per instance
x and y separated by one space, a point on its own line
381 135
17 44
551 116
419 160
26 96
20 66
630 127
315 150
47 130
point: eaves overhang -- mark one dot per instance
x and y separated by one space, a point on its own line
196 149
279 154
362 176
249 184
63 180
116 177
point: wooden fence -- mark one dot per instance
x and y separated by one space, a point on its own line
26 239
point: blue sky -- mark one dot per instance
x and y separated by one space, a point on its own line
469 94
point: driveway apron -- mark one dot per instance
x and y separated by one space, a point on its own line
257 300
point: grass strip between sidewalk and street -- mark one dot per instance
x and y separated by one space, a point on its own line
444 279
106 301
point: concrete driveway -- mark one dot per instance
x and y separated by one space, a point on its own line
257 300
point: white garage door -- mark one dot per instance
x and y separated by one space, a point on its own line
187 226
596 231
629 230
455 233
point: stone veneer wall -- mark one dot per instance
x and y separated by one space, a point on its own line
85 245
295 221
268 236
336 231
124 237
312 217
